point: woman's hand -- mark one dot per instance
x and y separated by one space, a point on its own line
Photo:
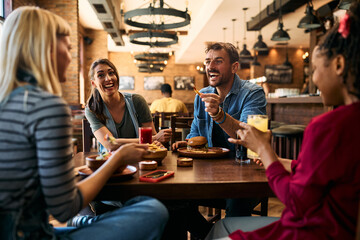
163 135
258 162
252 138
130 154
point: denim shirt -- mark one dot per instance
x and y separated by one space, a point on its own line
243 99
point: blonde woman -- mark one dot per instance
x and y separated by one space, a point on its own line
36 168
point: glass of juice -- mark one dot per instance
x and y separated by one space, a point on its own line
261 123
145 135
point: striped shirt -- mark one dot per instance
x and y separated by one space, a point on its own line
35 151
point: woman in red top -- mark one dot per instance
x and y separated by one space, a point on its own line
321 189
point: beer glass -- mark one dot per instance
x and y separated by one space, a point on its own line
261 123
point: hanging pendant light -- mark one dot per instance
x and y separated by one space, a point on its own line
245 55
345 4
280 34
309 21
260 46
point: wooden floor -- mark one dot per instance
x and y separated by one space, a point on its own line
275 209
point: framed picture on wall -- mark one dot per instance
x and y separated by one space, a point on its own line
183 82
126 83
278 73
153 82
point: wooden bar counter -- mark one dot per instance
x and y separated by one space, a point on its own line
295 110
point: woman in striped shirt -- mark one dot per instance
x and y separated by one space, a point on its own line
36 168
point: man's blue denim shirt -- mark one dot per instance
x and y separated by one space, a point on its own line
244 99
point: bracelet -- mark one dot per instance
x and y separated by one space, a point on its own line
218 113
222 120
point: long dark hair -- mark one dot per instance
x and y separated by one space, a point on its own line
95 103
334 43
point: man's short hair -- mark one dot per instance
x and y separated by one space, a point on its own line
228 47
166 88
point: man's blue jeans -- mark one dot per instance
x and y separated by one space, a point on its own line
139 218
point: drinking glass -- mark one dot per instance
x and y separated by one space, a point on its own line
241 154
145 135
261 123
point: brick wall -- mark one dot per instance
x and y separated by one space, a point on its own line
97 49
18 3
68 9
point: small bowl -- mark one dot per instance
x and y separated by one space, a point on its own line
157 156
94 164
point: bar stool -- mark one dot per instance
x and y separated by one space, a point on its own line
287 139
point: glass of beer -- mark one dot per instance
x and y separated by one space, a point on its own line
261 123
145 135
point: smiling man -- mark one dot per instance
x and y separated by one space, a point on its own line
226 101
218 111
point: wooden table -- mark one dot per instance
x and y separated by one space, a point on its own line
207 179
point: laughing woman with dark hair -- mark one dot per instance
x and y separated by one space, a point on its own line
320 190
116 114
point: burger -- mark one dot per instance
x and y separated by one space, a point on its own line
197 143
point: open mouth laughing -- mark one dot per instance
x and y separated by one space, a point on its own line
213 75
109 85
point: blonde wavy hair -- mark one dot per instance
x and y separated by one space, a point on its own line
28 42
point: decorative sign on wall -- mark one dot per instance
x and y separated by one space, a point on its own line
183 83
127 83
153 82
278 73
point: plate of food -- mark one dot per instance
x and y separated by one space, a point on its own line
156 153
125 174
197 148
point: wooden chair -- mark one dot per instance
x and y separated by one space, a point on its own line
176 123
156 121
87 136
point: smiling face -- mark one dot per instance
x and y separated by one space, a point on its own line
328 78
219 70
105 80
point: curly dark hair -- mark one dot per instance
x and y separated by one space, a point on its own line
95 102
334 43
228 47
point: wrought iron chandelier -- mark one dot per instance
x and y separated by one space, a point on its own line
160 18
156 18
154 39
151 62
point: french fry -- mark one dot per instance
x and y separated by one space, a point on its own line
196 91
